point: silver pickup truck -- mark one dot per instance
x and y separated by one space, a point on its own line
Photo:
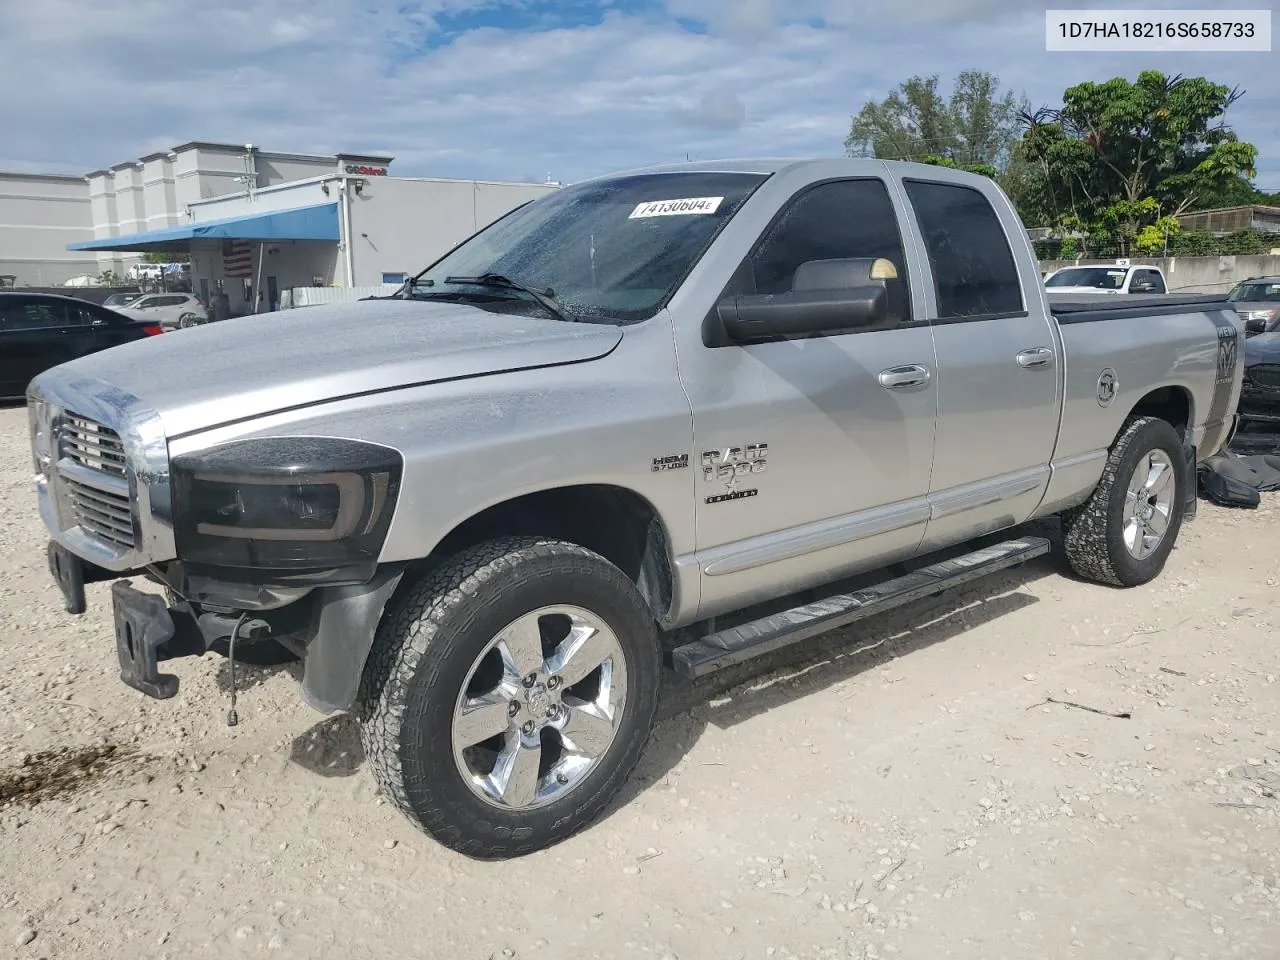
650 418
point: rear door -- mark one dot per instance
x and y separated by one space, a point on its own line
998 349
812 454
110 328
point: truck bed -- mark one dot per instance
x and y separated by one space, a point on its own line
1067 308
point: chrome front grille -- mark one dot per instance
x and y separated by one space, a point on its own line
94 483
92 445
107 516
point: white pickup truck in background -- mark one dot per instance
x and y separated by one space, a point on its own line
1119 277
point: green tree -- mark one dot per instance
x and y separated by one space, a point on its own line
1121 142
166 257
983 168
977 124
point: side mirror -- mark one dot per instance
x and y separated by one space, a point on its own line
826 296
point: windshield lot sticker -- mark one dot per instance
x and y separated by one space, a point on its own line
675 208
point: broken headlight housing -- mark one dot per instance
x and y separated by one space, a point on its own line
293 511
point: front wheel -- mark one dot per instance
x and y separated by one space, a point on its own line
509 694
1123 534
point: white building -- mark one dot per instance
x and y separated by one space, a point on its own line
254 222
39 215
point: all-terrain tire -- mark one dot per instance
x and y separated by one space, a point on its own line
1093 533
425 646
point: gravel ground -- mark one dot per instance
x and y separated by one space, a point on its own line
1034 767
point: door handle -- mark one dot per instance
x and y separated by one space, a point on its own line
1035 357
911 375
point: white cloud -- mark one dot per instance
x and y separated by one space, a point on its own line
108 81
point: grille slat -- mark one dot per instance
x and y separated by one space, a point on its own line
101 513
109 513
93 445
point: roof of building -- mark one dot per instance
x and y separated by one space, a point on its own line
47 177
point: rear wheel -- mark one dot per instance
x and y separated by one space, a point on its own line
509 694
188 320
1123 534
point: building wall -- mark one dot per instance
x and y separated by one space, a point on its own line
284 197
402 225
274 168
160 200
39 216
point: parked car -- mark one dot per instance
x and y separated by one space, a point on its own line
42 330
1118 279
611 425
1257 300
170 310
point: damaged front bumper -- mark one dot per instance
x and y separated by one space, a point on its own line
331 628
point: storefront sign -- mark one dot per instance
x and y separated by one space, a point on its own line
364 171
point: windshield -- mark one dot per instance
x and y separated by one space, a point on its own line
609 251
1256 292
1101 278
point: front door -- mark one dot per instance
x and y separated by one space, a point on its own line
997 366
812 458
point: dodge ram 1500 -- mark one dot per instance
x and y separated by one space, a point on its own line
602 435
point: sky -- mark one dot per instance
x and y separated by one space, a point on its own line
529 89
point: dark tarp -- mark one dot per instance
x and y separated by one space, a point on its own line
1235 481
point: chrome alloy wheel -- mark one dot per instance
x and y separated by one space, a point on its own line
539 708
1148 504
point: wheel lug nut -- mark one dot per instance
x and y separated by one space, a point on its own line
553 683
530 680
528 727
513 708
552 713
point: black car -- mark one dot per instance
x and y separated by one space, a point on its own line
42 330
1259 409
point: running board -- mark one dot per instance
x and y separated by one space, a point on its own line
737 644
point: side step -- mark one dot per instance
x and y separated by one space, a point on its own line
737 644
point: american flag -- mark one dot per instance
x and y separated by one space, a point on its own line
237 259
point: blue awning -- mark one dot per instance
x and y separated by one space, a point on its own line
318 222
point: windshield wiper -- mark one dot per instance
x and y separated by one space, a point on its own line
547 300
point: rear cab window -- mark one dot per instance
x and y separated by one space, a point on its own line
974 274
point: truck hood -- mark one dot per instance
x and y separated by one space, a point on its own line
251 366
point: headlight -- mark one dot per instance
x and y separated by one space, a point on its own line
285 511
41 435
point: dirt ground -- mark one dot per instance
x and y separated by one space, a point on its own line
1034 767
